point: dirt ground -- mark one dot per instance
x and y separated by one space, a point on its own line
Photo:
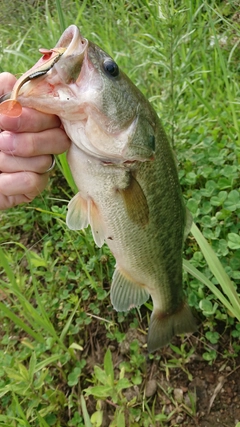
198 393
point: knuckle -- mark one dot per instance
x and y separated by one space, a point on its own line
34 183
30 144
3 159
44 163
24 145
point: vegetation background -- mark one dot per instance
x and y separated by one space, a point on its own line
67 359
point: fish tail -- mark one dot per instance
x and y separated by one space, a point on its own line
163 326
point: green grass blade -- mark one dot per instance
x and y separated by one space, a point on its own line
224 70
217 269
20 323
202 278
42 422
48 361
65 169
85 412
60 16
49 328
6 266
67 325
20 411
210 109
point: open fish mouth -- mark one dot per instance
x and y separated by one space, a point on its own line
70 51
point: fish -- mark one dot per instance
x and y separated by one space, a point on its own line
126 175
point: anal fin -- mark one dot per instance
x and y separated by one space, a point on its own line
125 293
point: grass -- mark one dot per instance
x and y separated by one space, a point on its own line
54 302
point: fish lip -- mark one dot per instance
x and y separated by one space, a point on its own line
70 41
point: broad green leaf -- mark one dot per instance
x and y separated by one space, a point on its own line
15 375
99 392
76 346
73 377
219 199
108 367
123 383
97 418
120 419
36 260
233 241
100 374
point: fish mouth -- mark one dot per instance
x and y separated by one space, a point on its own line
66 57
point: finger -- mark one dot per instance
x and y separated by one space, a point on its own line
28 183
51 141
38 164
7 82
7 202
29 121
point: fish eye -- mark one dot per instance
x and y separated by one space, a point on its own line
110 67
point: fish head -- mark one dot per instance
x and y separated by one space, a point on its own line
101 110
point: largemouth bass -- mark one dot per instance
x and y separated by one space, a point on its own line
125 171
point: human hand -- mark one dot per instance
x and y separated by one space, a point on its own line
27 144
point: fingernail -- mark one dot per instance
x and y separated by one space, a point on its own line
7 142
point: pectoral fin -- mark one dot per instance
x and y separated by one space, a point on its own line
82 212
77 216
135 202
125 293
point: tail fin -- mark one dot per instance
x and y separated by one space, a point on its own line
163 327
